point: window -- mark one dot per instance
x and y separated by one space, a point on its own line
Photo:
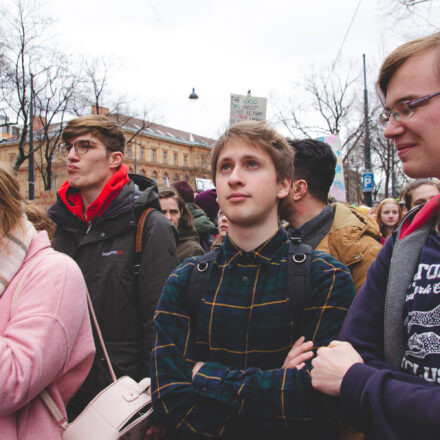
142 154
129 150
143 173
154 176
175 159
176 178
166 180
204 163
53 181
153 156
185 161
12 160
165 157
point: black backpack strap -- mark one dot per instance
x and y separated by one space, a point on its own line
198 282
299 274
138 247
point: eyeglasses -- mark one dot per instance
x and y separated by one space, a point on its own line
404 109
80 147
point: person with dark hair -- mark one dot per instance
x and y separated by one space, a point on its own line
97 214
224 363
39 218
338 229
420 191
207 200
175 210
204 226
385 370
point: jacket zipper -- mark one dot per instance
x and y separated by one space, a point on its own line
89 226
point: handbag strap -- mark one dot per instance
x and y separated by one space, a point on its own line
101 340
53 409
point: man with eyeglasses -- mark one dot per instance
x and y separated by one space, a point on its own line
97 215
386 373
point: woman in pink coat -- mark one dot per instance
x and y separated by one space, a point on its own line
45 335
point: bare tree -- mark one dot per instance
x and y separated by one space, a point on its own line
411 17
327 106
33 74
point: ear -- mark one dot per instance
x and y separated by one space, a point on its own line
116 158
283 192
299 190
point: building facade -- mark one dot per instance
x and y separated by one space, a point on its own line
162 153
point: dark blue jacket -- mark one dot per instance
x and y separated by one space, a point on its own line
377 397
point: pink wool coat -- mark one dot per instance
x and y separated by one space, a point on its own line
45 343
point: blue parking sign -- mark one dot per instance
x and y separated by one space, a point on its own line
367 182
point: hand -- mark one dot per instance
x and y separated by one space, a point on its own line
155 432
298 354
330 366
196 368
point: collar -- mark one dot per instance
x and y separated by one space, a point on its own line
313 231
265 253
429 210
74 203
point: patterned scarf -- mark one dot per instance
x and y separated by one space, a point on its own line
13 249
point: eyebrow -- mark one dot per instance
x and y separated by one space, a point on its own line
403 99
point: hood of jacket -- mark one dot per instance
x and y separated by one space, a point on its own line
419 216
359 223
137 194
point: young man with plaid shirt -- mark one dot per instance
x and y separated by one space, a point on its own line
232 369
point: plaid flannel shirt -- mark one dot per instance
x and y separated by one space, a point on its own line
244 331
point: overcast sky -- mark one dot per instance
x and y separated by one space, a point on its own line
163 48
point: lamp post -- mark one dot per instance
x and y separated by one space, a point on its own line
367 157
31 181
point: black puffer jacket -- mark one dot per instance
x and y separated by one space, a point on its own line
124 303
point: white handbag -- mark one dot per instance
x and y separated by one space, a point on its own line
123 410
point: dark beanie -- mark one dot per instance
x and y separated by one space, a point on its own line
207 200
185 191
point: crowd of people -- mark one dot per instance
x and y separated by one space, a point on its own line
259 309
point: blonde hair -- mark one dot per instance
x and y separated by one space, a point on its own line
258 134
398 56
11 201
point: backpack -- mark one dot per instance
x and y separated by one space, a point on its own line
138 242
299 269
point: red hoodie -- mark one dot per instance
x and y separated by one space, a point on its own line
73 200
427 213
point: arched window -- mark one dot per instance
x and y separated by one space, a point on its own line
154 176
176 178
166 179
143 173
186 178
204 163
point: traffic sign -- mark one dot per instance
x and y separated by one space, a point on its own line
368 182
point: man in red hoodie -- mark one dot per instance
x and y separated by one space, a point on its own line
97 215
387 372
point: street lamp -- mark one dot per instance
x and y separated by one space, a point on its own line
193 95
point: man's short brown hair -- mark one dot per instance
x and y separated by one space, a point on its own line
396 58
258 134
103 128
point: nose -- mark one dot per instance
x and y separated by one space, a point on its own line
393 128
72 155
167 215
235 177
